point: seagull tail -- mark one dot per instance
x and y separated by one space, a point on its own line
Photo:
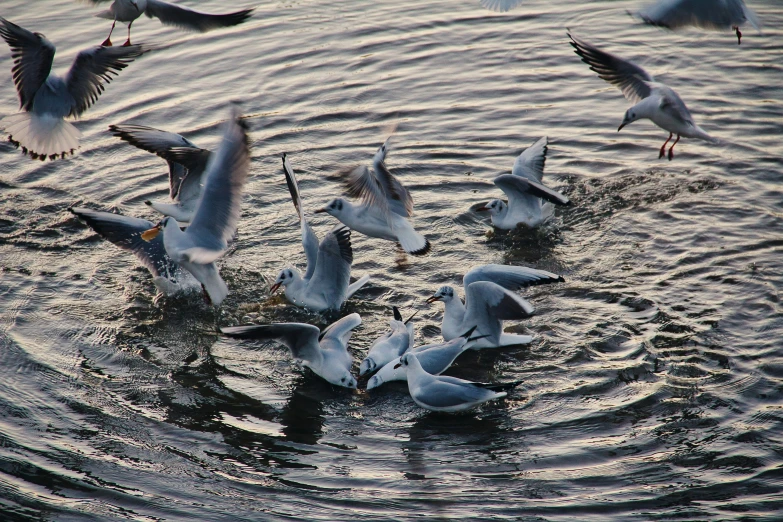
356 286
413 242
503 387
41 135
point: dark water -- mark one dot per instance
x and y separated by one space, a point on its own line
653 391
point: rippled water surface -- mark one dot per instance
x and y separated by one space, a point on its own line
653 390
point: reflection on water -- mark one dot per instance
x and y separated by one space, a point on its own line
652 390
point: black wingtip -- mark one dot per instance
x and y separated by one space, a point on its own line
397 314
343 235
148 203
466 335
424 250
503 387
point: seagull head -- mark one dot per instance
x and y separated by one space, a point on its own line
630 116
284 278
334 207
407 360
444 293
368 365
494 207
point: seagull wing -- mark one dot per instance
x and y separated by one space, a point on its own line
378 188
33 55
92 69
510 277
195 161
125 232
341 330
333 267
530 164
488 303
707 14
217 212
300 338
309 239
515 187
627 76
500 5
188 19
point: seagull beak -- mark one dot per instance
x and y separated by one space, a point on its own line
320 211
274 288
433 299
149 235
482 209
621 126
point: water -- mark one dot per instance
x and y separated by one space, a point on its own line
653 390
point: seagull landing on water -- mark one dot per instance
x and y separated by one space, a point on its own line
385 206
708 14
488 302
326 283
128 11
46 98
529 201
654 101
326 354
187 167
215 219
448 394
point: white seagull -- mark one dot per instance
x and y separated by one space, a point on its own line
125 232
187 167
326 354
526 193
390 345
434 358
708 14
488 302
326 283
128 11
448 394
385 206
215 219
654 101
47 98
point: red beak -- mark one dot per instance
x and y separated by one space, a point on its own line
433 299
274 288
482 209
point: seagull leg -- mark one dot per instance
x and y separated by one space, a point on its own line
739 34
127 42
207 299
663 147
671 154
107 41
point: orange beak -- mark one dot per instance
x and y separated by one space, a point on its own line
274 288
319 211
482 209
149 235
433 299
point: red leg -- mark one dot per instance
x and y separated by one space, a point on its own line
207 299
671 154
107 41
739 34
663 147
127 42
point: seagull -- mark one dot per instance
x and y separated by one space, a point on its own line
434 358
707 14
325 284
46 98
654 101
525 192
448 394
390 345
500 5
217 212
187 167
325 353
129 10
489 301
125 232
385 206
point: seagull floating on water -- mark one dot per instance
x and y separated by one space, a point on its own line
489 301
525 192
125 232
654 101
128 11
326 354
390 345
326 283
707 14
187 167
448 394
215 219
434 358
385 206
47 98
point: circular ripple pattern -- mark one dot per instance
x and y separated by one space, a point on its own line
652 390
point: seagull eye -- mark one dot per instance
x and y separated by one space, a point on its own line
342 380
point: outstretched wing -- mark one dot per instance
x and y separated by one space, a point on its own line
309 239
300 338
33 55
125 232
338 330
191 20
377 187
515 186
707 14
215 219
627 76
530 164
92 69
511 277
333 267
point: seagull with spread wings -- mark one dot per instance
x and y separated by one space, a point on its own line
653 100
47 98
